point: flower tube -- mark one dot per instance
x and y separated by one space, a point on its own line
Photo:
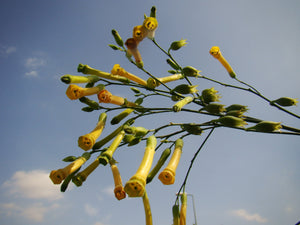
167 176
71 79
153 83
87 141
135 187
118 70
132 45
119 189
147 208
183 208
106 156
75 92
89 70
81 177
178 106
216 53
57 176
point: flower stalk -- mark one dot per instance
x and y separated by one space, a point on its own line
135 187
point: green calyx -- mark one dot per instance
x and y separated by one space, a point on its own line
214 108
185 89
190 71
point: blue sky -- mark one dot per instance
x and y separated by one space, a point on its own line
238 178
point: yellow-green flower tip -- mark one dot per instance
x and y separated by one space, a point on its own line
179 143
135 187
215 52
152 83
177 44
57 176
78 180
167 177
266 126
86 142
285 101
151 142
66 78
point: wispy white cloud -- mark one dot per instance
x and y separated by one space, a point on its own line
33 184
109 191
7 50
33 64
34 212
242 213
90 210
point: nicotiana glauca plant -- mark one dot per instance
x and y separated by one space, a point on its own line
185 97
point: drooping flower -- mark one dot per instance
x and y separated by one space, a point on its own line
119 189
57 176
87 141
139 33
75 92
216 53
132 49
135 187
167 176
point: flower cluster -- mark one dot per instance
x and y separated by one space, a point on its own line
188 99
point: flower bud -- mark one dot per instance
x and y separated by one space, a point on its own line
71 79
231 121
153 12
210 95
177 44
190 71
117 37
93 104
214 108
242 108
173 64
266 126
192 128
185 89
285 101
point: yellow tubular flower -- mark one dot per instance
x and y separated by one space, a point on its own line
139 33
89 70
183 208
118 70
57 176
147 208
153 83
87 141
135 187
132 49
75 92
178 106
167 176
106 156
150 23
105 96
216 53
81 177
119 189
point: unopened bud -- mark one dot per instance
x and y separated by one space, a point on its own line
190 71
266 126
231 121
153 12
185 89
173 64
210 95
285 101
117 37
177 44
